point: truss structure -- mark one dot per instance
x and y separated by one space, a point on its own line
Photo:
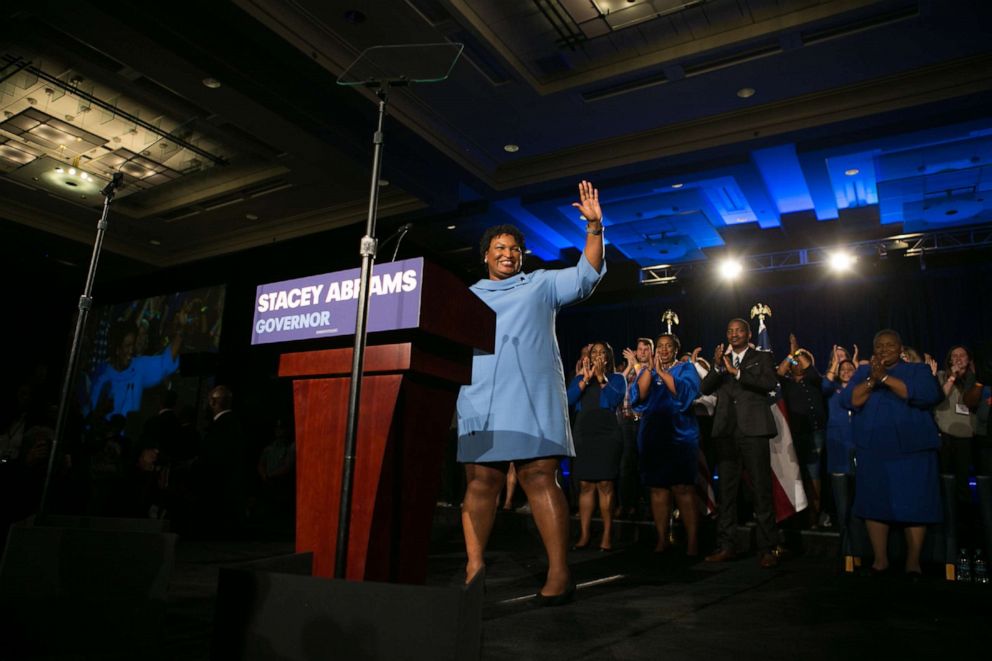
901 245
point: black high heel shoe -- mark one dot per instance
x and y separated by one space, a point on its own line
546 601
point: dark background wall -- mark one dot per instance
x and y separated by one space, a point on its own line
944 304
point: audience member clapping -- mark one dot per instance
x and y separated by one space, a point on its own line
896 440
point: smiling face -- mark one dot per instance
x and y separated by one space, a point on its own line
846 371
598 357
738 334
888 348
959 359
504 258
666 350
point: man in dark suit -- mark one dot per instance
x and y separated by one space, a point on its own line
741 378
224 467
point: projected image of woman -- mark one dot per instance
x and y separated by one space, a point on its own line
119 384
516 407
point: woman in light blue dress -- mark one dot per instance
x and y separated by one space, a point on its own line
516 408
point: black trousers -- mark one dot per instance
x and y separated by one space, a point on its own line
750 453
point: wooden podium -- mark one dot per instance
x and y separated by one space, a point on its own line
407 402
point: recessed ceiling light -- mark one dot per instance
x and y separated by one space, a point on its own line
250 216
154 242
677 185
59 170
212 83
511 148
383 183
451 227
745 92
852 172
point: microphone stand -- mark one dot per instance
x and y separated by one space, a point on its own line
85 304
367 249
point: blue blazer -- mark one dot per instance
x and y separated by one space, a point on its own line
610 396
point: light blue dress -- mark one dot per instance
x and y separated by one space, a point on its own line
516 406
127 386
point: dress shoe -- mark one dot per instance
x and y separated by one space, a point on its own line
723 555
550 601
768 560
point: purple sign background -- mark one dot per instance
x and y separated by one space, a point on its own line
326 305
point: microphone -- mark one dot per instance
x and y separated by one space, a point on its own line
402 230
115 183
398 235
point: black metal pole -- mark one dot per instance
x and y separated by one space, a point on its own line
85 303
367 249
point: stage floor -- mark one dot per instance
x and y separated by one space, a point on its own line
633 604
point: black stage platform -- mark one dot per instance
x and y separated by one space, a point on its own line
633 604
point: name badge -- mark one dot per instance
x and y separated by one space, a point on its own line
962 409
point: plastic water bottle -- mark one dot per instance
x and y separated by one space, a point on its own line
964 566
981 572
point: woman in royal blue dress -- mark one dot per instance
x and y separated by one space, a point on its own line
896 442
668 439
596 393
516 409
840 453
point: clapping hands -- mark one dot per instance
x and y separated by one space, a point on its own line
878 370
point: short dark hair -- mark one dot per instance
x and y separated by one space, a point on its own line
675 339
498 230
887 331
743 321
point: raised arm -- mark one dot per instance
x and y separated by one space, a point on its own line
588 206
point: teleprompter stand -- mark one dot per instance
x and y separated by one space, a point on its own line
379 67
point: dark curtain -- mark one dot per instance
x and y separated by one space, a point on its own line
933 309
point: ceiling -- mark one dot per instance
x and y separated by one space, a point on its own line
714 126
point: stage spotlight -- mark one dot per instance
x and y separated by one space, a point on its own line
730 268
841 260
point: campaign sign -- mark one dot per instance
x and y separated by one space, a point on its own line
327 305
